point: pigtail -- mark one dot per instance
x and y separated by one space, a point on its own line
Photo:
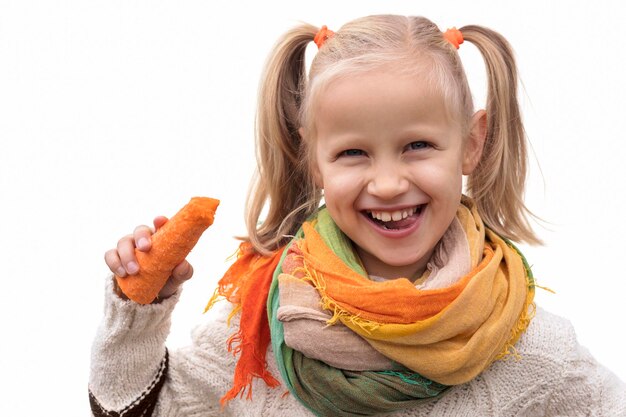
497 184
282 178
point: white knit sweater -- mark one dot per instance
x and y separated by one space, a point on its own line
555 376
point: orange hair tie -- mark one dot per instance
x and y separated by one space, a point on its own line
322 36
454 36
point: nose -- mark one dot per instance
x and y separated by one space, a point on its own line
387 181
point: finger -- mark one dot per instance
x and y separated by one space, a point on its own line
180 274
159 221
126 253
141 235
114 263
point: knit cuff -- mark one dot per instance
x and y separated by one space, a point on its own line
128 349
143 405
123 315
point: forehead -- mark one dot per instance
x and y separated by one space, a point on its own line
379 97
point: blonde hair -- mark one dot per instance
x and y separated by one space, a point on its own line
284 184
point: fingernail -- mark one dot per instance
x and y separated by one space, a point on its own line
143 243
121 272
132 268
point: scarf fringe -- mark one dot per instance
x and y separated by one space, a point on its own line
327 303
244 385
545 288
528 311
251 364
246 283
414 379
228 287
213 300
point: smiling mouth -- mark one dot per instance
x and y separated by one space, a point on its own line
394 220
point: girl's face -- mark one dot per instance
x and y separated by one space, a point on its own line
391 162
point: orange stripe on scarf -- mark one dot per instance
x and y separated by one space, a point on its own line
349 291
246 285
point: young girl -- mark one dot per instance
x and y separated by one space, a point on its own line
400 294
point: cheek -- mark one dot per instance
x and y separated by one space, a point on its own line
440 180
342 189
337 178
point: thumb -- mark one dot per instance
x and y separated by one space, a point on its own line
180 274
158 222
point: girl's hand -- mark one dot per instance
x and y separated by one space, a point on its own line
122 261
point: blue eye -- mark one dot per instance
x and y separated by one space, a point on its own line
417 145
352 152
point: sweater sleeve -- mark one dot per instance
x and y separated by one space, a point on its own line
133 374
586 388
129 361
553 376
569 381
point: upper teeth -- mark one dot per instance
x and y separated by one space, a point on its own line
386 216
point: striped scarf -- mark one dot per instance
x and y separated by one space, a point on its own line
439 337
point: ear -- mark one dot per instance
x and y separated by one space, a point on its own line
313 167
475 142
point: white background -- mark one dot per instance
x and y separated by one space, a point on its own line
112 112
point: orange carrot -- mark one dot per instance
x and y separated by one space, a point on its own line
170 246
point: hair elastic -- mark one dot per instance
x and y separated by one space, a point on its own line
454 36
322 36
